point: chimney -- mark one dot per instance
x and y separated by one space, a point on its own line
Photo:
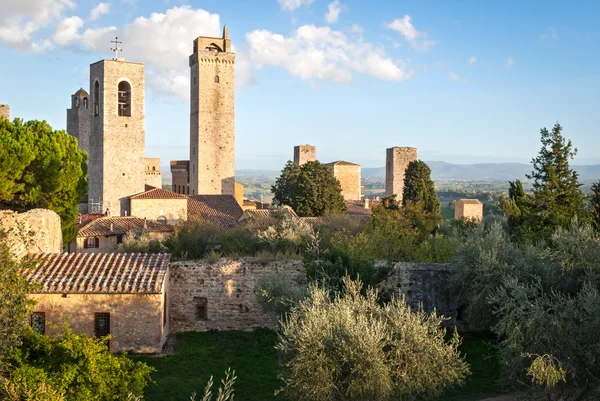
366 203
145 224
111 227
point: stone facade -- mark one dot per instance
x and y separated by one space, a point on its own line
469 209
116 157
172 209
37 230
239 193
222 296
304 154
138 322
212 132
5 111
79 119
180 176
396 162
152 172
348 174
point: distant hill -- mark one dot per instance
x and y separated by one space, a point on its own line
483 171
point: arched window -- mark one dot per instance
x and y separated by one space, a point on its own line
76 102
162 219
96 98
179 189
85 103
216 79
124 99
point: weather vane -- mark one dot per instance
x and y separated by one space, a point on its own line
116 49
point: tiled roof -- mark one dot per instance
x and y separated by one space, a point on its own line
98 273
258 214
157 193
312 220
357 208
85 219
470 201
222 210
114 225
342 163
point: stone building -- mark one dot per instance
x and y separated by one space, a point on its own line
124 295
304 154
396 162
212 132
104 234
5 111
158 204
152 172
180 176
79 119
468 209
348 174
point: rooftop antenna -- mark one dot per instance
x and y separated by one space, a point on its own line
116 49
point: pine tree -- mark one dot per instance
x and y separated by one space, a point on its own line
419 188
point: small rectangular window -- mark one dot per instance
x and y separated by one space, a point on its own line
102 325
91 242
38 322
119 239
201 312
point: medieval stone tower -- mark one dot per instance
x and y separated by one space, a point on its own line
116 155
79 119
304 154
212 132
396 162
5 111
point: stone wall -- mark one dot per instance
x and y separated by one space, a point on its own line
470 209
152 209
180 176
396 162
227 292
137 322
5 111
37 230
304 154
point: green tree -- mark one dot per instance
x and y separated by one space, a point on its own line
557 196
41 168
595 205
418 187
353 348
311 189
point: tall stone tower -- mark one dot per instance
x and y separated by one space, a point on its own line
79 119
5 111
304 154
396 162
212 132
116 156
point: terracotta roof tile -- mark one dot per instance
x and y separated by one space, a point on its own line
222 210
258 214
98 273
342 163
157 193
114 225
85 219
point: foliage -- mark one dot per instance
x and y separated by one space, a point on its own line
77 368
557 196
278 292
193 239
240 240
14 304
41 168
419 188
287 233
139 241
225 391
352 348
311 189
595 205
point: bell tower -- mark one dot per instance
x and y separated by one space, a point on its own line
79 118
212 132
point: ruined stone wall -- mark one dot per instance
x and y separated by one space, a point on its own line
304 154
136 321
349 178
37 230
116 160
152 209
396 162
5 111
212 131
227 288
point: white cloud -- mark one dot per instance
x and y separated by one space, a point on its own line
294 4
320 53
67 30
333 12
355 28
20 20
472 60
552 33
455 77
99 10
510 62
415 38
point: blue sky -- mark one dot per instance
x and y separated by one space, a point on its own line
464 82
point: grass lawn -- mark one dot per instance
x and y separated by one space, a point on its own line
253 357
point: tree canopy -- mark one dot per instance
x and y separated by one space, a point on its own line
419 187
311 189
595 205
556 197
41 168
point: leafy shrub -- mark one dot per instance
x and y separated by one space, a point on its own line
287 234
241 240
139 241
193 239
352 348
278 292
